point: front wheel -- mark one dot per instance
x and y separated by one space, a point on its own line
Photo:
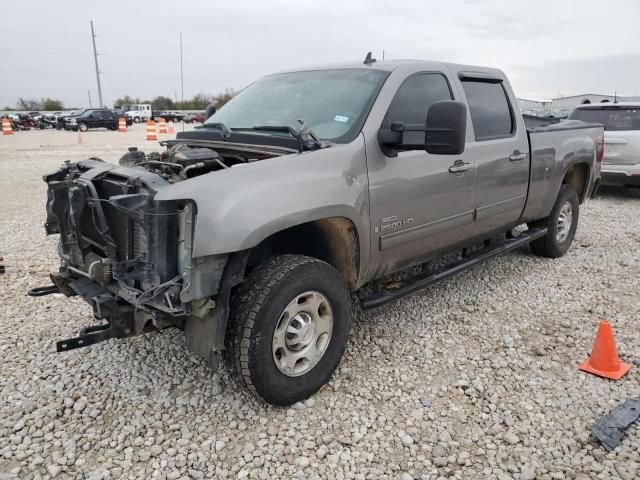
136 119
82 127
561 225
288 328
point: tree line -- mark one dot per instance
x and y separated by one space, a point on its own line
197 102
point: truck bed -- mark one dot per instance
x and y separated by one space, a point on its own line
553 149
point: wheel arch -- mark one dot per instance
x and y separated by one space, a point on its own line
577 177
334 240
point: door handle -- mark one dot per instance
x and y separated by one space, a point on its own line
459 167
516 156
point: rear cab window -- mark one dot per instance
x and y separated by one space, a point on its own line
491 112
613 118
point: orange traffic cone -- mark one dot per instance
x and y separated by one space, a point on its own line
163 125
6 127
604 360
79 137
151 130
122 124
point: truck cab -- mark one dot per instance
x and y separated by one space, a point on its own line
140 112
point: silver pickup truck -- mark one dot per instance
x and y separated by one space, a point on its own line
255 233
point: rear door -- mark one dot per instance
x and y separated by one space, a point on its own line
501 152
108 119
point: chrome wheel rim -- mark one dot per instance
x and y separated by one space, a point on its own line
302 334
565 219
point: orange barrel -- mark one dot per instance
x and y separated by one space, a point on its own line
151 130
6 127
163 125
122 124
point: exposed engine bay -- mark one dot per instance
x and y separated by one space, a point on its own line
186 159
128 255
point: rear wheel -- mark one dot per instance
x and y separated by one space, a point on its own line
561 225
136 119
288 328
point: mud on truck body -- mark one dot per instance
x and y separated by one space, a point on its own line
252 233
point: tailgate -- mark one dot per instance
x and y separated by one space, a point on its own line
622 147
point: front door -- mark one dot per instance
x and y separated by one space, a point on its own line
420 202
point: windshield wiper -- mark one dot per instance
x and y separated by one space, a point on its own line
306 138
226 133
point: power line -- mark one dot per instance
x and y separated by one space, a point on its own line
142 42
40 32
45 52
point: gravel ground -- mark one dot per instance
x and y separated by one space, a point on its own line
475 378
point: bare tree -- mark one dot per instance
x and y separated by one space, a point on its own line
223 98
28 104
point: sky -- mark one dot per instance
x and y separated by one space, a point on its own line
547 48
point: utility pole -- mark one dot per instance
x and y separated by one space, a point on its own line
89 93
181 80
95 57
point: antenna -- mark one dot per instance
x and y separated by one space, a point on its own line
615 97
369 59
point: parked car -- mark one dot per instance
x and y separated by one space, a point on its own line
197 117
251 232
60 118
93 118
35 116
621 121
168 116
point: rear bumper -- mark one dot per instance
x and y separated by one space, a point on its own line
620 175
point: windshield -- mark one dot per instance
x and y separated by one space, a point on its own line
613 118
332 103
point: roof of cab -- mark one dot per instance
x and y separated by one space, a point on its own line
390 65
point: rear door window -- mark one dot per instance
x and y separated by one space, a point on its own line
491 113
613 118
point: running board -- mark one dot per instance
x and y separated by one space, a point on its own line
399 289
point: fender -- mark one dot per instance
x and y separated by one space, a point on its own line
239 207
552 157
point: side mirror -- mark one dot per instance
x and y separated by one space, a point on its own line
446 128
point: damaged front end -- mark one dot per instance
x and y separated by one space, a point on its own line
126 254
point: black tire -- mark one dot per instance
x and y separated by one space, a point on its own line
549 245
136 119
257 308
83 127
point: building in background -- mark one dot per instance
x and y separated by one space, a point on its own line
526 103
586 98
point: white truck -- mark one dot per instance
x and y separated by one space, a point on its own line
139 112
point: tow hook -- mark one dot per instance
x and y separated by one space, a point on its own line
42 291
87 336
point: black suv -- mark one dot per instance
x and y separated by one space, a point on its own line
93 118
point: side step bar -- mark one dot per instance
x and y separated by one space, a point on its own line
397 290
